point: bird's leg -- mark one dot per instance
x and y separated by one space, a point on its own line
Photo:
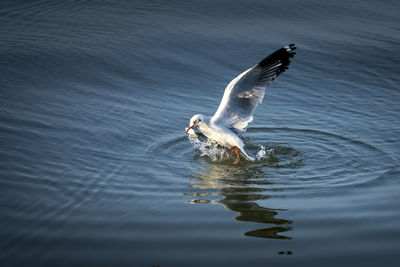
236 149
237 155
231 149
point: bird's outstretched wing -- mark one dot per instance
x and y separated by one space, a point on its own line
247 90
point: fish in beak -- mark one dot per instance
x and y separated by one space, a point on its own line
189 128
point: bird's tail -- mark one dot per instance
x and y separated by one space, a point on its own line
245 154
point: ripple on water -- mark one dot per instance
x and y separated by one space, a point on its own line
287 159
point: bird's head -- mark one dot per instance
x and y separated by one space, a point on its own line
196 120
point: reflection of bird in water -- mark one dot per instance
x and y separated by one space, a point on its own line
240 192
250 211
241 97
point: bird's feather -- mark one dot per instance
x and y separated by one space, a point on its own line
246 91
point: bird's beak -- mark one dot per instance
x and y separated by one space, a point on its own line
191 127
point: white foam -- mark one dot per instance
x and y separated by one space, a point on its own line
264 153
217 153
209 148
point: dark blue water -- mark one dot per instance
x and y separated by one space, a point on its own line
96 169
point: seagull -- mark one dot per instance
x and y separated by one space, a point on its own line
241 97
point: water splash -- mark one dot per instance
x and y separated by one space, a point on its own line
264 153
216 152
209 148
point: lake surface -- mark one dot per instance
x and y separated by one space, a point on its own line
96 169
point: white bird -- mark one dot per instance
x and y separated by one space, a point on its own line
241 97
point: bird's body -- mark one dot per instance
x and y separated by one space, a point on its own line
240 98
220 134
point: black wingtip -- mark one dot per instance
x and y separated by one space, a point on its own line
290 48
276 63
283 55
